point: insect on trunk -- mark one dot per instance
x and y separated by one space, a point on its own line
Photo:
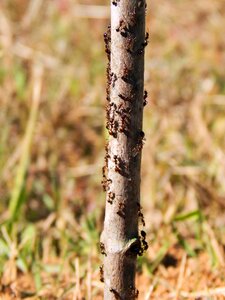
121 241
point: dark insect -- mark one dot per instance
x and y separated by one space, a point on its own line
108 82
123 29
106 184
121 210
107 40
111 123
145 98
140 50
123 111
102 248
142 134
136 248
143 233
134 292
128 77
116 294
140 214
101 270
113 79
146 40
107 148
126 99
115 2
120 166
140 247
111 197
107 156
140 143
104 170
124 123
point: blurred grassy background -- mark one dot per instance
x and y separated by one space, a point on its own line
52 120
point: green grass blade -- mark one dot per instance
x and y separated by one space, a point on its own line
196 214
15 203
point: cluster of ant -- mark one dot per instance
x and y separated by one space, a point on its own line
105 181
143 243
111 123
107 40
125 29
110 197
141 49
118 119
120 166
124 123
140 246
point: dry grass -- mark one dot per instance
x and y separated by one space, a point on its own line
52 82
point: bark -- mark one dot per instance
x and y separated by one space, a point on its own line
121 241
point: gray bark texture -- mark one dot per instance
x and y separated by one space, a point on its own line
121 240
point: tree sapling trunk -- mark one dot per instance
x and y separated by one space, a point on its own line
121 241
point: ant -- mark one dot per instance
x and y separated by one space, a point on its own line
112 125
145 98
120 166
128 77
113 79
124 98
143 233
146 40
111 197
144 244
115 2
116 294
123 29
134 292
140 214
107 40
124 125
101 273
102 248
106 184
140 143
142 48
108 82
121 211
